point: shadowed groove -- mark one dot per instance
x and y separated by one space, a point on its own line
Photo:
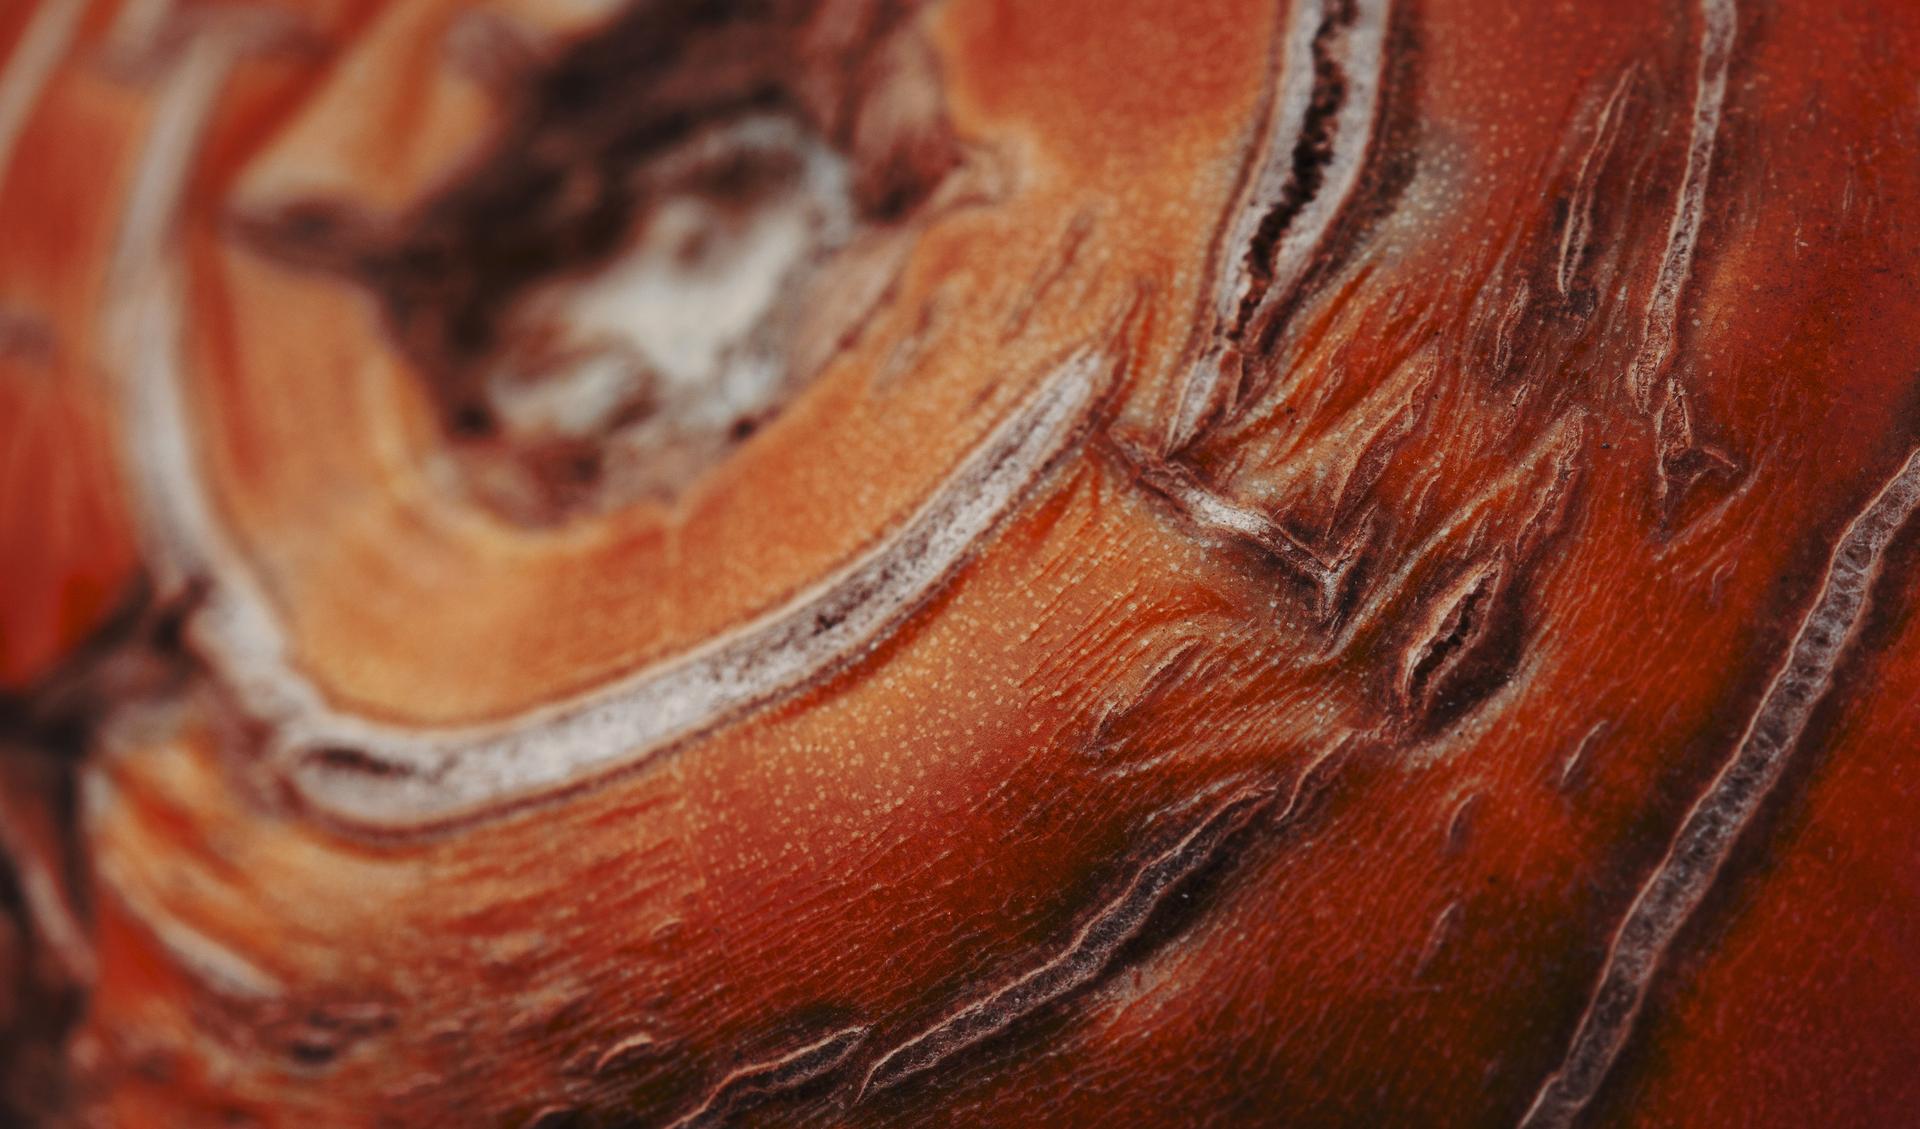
762 1080
1718 18
1693 861
1332 67
1092 947
1217 514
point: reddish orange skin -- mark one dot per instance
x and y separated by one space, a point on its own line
1412 941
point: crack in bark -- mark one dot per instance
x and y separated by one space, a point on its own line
1579 225
1718 18
1084 957
1332 70
1700 849
751 1085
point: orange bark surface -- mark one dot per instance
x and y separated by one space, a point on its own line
1343 564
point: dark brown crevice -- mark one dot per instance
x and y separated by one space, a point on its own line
1244 348
343 758
1088 955
48 730
728 112
137 653
1312 154
1462 625
1470 651
609 136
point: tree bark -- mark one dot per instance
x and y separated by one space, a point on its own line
859 562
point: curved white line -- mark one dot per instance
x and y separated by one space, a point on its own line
430 777
392 778
31 66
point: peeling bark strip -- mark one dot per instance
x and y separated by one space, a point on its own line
1084 957
1717 18
752 1084
1682 879
1331 66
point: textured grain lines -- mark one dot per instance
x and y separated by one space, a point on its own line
1320 132
382 778
377 777
424 778
1452 606
1706 838
1084 957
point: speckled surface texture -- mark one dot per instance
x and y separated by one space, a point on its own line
980 563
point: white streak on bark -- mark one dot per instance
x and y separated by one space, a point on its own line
1215 513
1676 887
1718 20
425 778
42 46
1574 236
216 966
219 968
402 778
408 778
